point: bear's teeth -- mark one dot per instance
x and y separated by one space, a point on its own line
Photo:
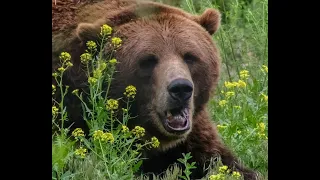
169 115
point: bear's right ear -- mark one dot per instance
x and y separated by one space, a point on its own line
87 31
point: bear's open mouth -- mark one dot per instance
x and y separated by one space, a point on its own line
177 120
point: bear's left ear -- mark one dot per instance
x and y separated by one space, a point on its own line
210 20
87 31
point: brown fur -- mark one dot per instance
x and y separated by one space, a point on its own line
183 48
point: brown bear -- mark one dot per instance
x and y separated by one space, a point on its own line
169 56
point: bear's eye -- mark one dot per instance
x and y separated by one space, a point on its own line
190 58
148 62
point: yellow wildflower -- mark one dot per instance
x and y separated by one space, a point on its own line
105 30
264 97
97 134
244 74
102 66
229 94
241 83
81 152
97 73
69 64
262 135
116 42
64 56
237 107
264 68
112 104
228 84
155 142
221 126
54 74
75 91
131 91
85 58
92 80
236 174
125 129
223 169
138 131
54 110
239 132
100 135
113 61
92 46
78 132
124 110
107 137
222 103
53 89
261 127
217 177
61 69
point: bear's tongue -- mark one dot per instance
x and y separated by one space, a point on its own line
177 119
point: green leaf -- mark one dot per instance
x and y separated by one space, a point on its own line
136 167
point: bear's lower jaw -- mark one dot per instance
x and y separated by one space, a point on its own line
177 120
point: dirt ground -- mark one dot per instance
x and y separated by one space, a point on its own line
63 12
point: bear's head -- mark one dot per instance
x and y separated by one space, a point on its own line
169 56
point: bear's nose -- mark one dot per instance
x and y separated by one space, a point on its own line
180 89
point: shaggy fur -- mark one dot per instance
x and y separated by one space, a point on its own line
160 44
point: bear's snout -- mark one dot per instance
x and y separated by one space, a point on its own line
180 90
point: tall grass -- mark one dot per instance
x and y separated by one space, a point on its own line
239 108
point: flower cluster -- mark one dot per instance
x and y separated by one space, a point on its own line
236 174
229 94
264 68
75 92
100 135
53 89
264 97
64 57
112 105
138 131
244 74
223 171
105 30
116 42
155 142
240 84
92 46
92 80
237 107
97 73
217 177
81 152
222 103
220 127
113 62
85 58
78 132
54 110
130 92
261 130
65 60
125 129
